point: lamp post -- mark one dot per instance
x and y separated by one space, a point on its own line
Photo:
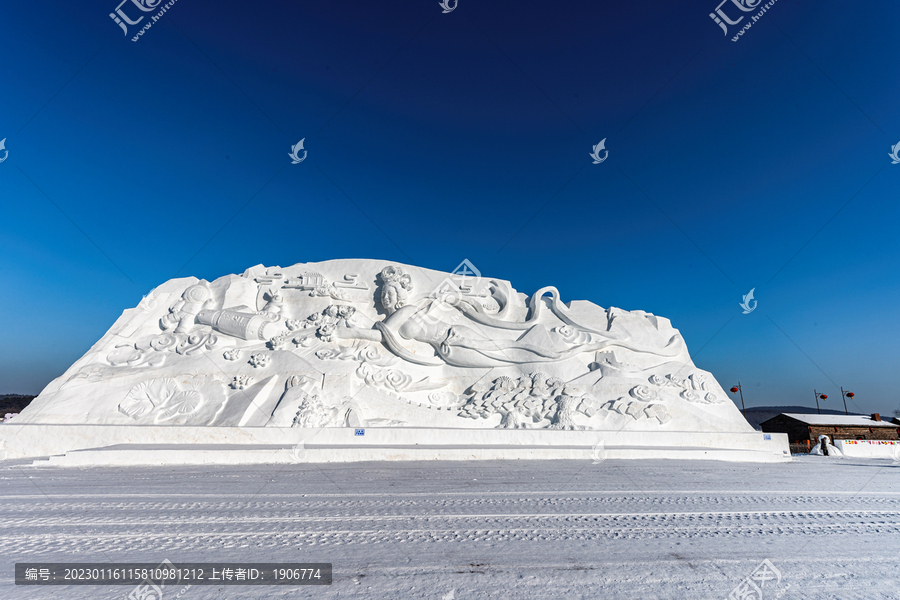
846 395
735 390
823 397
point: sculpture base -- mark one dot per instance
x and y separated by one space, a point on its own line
125 445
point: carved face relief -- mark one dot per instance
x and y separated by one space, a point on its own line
395 285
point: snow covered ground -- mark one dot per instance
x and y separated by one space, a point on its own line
451 530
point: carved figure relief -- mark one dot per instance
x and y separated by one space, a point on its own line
182 314
464 346
395 288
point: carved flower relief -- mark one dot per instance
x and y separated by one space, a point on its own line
490 306
690 396
329 320
136 407
162 395
232 354
259 360
182 404
708 398
145 396
278 342
657 380
698 381
294 324
677 382
644 393
345 312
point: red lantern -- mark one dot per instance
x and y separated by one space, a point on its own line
823 397
850 394
734 390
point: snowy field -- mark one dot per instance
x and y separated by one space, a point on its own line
537 529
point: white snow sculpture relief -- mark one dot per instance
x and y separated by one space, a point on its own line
346 343
260 360
165 401
691 387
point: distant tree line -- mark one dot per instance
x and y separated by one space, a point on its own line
14 403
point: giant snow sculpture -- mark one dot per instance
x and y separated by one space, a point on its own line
367 343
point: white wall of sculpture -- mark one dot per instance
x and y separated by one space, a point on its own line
368 343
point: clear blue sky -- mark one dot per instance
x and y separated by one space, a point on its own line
434 137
